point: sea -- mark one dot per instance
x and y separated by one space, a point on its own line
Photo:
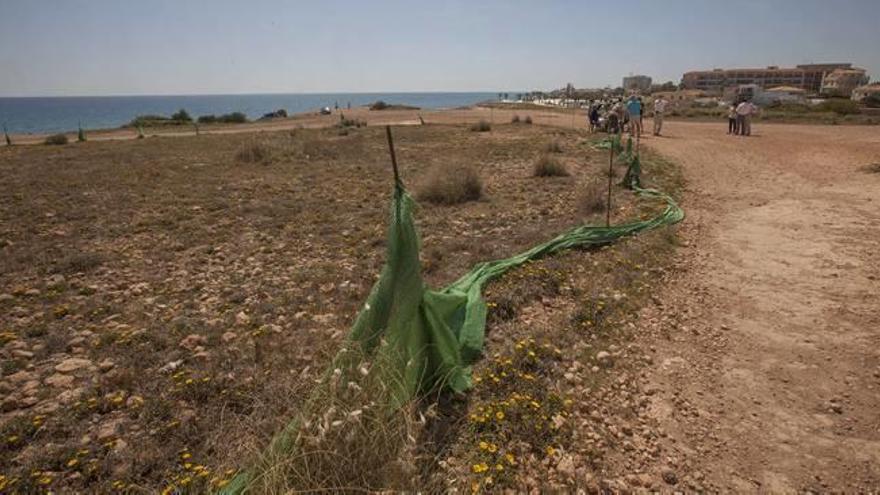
28 115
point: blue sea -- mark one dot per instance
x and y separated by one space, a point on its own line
59 114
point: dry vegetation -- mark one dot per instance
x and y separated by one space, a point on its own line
166 304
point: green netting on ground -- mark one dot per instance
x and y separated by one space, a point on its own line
428 339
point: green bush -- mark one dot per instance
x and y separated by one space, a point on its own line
379 105
872 101
481 126
839 106
233 118
207 119
547 166
452 185
56 139
181 116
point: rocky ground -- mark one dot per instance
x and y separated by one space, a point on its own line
166 303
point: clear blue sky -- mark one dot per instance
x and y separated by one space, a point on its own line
101 47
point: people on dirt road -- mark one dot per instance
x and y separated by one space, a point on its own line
659 110
634 109
732 127
615 117
744 112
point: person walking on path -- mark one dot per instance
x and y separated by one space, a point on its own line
732 127
634 109
659 110
744 112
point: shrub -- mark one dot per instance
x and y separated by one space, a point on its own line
343 122
233 118
515 119
872 101
452 185
553 147
547 166
839 106
254 152
527 120
208 119
56 139
181 116
379 105
147 120
277 114
593 198
481 126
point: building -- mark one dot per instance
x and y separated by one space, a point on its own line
684 95
781 94
641 84
842 82
808 77
862 92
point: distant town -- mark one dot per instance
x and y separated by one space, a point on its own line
801 84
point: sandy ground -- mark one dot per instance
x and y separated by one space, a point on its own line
767 374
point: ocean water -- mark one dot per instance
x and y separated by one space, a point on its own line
59 114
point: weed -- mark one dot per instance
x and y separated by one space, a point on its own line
254 152
593 198
56 139
452 185
547 166
515 119
527 120
481 126
553 147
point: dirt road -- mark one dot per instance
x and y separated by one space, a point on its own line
767 369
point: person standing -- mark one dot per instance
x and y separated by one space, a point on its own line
634 109
732 127
659 110
744 112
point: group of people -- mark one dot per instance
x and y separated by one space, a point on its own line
739 118
620 115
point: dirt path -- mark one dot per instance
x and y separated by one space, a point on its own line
767 369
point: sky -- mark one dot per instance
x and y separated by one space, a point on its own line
130 47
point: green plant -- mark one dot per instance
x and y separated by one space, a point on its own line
233 118
6 134
452 185
207 119
379 105
547 166
481 126
140 130
81 135
56 139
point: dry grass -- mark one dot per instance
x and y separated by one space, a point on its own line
452 185
547 166
481 126
873 168
56 139
527 120
593 198
514 119
553 147
254 152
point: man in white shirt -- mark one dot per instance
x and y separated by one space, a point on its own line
659 110
744 112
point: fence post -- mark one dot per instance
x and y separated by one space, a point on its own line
610 173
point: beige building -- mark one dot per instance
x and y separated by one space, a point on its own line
842 82
641 84
808 77
865 91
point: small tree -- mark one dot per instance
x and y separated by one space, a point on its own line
140 129
6 133
81 135
181 116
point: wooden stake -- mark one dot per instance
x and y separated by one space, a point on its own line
393 155
610 173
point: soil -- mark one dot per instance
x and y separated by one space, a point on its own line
767 340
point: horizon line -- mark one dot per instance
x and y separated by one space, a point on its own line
134 95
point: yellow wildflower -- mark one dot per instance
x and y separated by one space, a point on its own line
499 415
479 468
510 458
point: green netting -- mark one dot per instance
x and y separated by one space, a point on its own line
429 337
